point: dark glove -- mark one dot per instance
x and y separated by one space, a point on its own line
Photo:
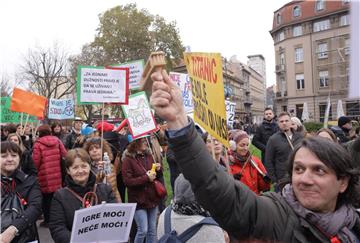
237 176
267 179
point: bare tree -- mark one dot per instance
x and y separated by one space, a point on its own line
6 87
47 72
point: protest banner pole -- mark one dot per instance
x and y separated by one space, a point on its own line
102 129
151 150
227 164
26 122
21 120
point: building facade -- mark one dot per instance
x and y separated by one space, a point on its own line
311 40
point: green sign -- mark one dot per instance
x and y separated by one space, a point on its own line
8 116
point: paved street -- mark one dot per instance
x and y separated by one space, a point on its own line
44 234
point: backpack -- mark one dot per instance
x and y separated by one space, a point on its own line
171 236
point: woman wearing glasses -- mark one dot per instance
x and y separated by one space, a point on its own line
81 191
93 147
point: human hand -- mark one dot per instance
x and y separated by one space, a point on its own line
151 175
158 166
166 99
100 165
8 235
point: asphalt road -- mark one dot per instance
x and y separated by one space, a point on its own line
44 234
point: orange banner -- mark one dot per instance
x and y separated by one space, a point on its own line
27 102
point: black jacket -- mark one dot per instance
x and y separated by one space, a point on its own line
262 135
27 163
238 210
70 140
277 152
28 188
64 205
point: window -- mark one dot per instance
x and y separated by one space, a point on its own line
322 50
297 30
324 79
299 110
282 58
322 25
347 46
278 19
346 1
284 108
319 5
299 55
283 86
300 82
344 20
280 36
296 11
353 108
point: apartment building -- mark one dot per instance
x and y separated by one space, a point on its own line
311 40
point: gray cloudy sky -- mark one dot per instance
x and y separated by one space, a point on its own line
231 27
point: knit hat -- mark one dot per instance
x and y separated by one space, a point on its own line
182 191
343 120
107 126
239 135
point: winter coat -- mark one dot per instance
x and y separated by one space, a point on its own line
249 174
70 140
47 153
140 189
28 188
27 163
64 205
262 135
342 136
277 152
238 210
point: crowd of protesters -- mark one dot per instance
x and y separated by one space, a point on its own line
304 188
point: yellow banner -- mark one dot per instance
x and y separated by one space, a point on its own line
207 86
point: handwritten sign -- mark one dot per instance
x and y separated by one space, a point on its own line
61 109
140 118
184 82
108 222
230 112
136 69
8 116
207 86
104 85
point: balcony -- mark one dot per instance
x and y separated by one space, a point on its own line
248 101
278 94
280 68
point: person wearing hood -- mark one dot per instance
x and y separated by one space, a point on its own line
47 153
265 131
71 138
81 191
342 130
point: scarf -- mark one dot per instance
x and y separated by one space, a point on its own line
337 223
192 208
242 159
80 189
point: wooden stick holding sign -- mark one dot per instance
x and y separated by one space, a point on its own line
156 62
26 122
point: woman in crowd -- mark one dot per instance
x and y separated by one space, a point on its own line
327 133
26 161
138 177
218 150
27 191
93 147
47 153
298 126
247 168
57 130
81 191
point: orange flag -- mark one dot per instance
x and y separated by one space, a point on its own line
27 102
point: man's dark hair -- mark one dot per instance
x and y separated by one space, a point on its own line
284 113
269 109
334 156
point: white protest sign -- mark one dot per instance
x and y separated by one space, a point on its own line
61 109
136 69
354 87
230 112
183 81
140 118
107 222
104 85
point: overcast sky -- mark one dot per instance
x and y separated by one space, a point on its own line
230 27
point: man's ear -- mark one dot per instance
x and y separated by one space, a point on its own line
344 183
